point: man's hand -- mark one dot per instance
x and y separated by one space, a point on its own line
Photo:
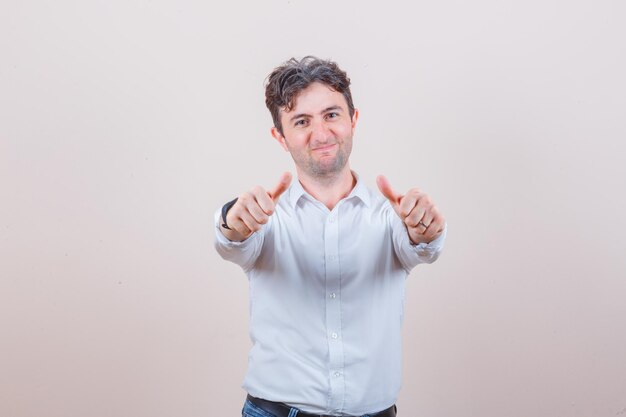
252 210
423 221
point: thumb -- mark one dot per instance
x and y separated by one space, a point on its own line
283 184
385 188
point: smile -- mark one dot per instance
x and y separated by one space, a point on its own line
324 148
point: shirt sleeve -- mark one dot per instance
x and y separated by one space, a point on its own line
411 255
244 253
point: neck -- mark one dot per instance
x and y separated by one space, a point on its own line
329 190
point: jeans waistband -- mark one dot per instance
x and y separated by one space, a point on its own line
283 410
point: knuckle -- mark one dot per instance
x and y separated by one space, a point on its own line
244 198
234 213
255 206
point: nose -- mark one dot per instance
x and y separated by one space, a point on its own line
320 133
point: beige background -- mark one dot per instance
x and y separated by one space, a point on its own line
125 124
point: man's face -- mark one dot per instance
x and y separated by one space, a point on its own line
318 131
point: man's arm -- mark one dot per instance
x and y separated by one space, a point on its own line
424 223
252 210
419 229
236 237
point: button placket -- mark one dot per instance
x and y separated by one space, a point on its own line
333 310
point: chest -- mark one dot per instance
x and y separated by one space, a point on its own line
346 243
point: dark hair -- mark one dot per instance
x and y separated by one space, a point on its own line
288 80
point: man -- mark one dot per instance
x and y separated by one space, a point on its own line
326 259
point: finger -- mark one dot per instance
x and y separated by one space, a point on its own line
420 228
257 213
428 217
386 190
440 223
434 229
263 200
250 222
283 184
408 203
239 226
416 215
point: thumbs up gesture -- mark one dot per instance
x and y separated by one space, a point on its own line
423 221
252 210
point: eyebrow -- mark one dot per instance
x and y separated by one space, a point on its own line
327 109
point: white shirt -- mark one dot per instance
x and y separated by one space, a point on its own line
327 301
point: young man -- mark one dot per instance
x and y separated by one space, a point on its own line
326 258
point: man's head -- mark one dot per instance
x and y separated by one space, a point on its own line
314 118
287 81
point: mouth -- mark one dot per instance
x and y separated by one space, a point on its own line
324 148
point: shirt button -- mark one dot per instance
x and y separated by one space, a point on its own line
337 374
333 295
331 219
334 335
332 257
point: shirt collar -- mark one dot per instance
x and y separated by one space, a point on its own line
360 191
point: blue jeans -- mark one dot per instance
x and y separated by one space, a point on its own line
251 410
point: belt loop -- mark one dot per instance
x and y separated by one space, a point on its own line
293 412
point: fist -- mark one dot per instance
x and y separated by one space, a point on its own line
422 219
252 209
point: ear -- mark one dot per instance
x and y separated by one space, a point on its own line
355 116
280 138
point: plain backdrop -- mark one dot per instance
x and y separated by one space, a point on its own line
125 124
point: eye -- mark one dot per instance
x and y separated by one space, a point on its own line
332 115
300 122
